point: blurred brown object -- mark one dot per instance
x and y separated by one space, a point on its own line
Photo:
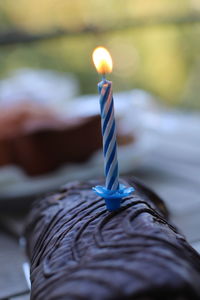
39 140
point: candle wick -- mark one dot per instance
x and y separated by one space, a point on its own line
103 77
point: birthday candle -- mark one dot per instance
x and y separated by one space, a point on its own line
113 192
109 135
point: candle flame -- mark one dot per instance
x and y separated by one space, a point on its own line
102 60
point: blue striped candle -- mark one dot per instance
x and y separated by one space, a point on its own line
109 135
113 192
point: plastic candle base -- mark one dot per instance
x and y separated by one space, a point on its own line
113 198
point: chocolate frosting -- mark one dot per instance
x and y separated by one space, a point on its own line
79 250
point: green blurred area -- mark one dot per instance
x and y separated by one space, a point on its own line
160 58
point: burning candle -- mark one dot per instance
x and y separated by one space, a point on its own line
103 63
113 192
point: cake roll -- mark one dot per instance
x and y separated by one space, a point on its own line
78 250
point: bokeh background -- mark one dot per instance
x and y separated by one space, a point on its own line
155 44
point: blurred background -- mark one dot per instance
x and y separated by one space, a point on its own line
159 38
47 78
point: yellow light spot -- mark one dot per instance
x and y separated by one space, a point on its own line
102 60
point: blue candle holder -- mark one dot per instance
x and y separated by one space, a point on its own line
113 198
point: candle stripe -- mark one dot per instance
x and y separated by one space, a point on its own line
112 181
108 100
104 96
112 168
108 117
111 164
109 125
111 158
108 129
110 147
109 138
108 122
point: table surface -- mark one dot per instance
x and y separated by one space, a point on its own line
172 170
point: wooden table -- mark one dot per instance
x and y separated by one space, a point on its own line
172 169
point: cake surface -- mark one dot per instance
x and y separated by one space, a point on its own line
79 250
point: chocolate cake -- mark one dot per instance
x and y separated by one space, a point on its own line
79 250
39 140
